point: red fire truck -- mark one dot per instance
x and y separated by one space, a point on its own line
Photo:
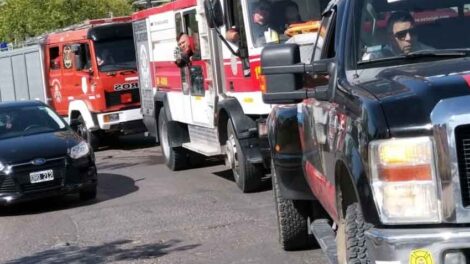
213 105
86 72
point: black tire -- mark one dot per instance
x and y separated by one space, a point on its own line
246 175
92 138
89 194
176 158
292 219
350 237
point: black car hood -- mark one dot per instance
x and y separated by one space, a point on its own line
46 145
408 93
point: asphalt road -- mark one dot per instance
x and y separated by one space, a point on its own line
147 214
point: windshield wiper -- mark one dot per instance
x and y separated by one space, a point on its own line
444 53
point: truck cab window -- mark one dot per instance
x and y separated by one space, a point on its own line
54 58
324 46
274 22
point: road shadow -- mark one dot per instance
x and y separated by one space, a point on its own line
266 184
116 162
110 186
130 142
122 250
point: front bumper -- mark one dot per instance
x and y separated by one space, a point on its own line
427 246
124 117
81 175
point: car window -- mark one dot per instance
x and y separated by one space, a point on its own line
21 121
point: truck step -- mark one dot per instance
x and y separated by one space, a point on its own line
203 149
326 238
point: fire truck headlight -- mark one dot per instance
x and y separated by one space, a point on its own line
403 178
79 151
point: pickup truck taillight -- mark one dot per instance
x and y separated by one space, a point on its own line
404 180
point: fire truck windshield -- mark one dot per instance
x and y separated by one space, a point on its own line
115 55
275 21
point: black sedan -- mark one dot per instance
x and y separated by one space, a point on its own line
41 156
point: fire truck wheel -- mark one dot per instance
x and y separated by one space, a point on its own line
246 175
350 237
91 137
292 220
176 158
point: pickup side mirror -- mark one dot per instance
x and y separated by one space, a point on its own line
284 74
214 13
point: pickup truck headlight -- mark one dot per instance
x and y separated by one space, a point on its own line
79 151
404 180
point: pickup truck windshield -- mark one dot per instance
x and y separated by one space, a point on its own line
24 121
275 21
115 55
392 30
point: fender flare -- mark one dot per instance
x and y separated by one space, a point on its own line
81 107
161 99
178 130
287 156
350 175
242 124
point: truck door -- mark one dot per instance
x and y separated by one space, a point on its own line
202 110
54 71
320 121
75 81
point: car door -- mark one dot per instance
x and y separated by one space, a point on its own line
317 119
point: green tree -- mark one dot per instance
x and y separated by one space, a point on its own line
21 19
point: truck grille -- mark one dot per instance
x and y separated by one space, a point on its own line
7 184
462 137
114 98
22 172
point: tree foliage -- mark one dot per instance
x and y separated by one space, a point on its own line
21 19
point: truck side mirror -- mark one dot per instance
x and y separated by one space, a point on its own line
214 13
283 73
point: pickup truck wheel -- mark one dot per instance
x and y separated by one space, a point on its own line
246 175
350 237
292 220
91 137
176 158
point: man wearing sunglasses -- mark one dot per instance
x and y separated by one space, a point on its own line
401 27
402 38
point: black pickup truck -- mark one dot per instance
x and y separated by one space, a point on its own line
370 141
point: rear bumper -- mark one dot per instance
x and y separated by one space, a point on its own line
396 246
125 116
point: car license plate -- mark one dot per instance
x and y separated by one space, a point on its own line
41 176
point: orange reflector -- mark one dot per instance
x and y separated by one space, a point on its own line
126 98
278 148
406 173
262 83
106 118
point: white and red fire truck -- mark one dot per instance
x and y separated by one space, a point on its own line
86 72
213 106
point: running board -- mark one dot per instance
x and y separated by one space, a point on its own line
326 238
205 150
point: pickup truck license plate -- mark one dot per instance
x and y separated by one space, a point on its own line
41 176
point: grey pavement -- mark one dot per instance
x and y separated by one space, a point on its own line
146 213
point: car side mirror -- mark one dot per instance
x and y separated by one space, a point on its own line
214 13
283 74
